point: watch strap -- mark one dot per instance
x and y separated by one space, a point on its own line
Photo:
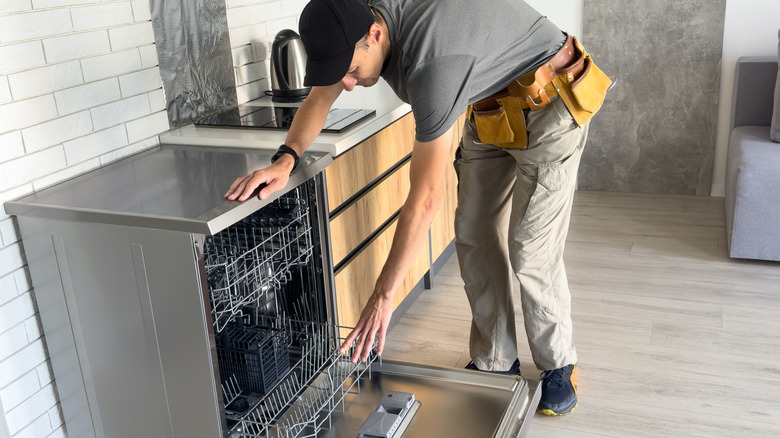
284 149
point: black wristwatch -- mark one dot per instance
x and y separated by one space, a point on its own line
284 149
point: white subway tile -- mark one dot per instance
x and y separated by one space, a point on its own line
17 310
87 96
28 112
146 127
55 416
248 15
149 56
44 4
251 72
36 405
274 26
293 7
21 56
113 64
11 341
45 80
7 288
22 279
21 362
236 3
11 146
129 150
157 100
56 131
252 90
242 55
135 35
31 25
31 167
36 428
8 231
18 391
94 145
102 15
140 82
242 36
68 172
59 432
141 11
5 90
33 329
10 260
8 6
44 374
76 46
119 112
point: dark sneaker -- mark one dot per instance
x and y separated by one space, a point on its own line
559 391
514 370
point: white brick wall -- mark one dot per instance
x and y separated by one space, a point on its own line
250 20
79 87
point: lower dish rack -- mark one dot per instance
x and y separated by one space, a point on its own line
302 402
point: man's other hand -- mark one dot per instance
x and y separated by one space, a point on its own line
373 322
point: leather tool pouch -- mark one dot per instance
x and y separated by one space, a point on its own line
500 121
582 86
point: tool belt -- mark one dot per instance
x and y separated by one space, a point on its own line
569 74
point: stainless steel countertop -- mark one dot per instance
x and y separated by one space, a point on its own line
168 187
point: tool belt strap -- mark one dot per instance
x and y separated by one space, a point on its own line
534 89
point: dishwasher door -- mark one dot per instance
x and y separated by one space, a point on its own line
454 402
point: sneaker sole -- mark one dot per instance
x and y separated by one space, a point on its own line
556 414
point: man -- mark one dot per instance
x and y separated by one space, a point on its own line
517 162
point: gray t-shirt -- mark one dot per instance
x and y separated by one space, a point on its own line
447 54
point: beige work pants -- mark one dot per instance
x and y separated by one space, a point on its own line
512 219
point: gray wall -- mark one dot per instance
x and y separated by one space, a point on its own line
656 130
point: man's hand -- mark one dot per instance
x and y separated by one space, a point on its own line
373 322
274 177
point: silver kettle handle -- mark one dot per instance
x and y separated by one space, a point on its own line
282 39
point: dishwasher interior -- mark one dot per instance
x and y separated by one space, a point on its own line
277 347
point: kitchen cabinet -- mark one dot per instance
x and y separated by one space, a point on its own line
366 188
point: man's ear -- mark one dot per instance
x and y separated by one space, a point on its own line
375 32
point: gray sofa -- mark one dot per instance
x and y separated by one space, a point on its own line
753 166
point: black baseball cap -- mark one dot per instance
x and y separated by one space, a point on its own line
329 30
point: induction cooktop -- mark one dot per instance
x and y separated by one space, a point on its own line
280 117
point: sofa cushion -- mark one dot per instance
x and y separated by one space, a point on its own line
774 132
752 198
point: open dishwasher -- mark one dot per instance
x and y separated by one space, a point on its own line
171 312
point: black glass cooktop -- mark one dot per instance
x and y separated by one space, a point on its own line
280 117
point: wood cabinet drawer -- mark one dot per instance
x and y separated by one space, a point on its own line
355 281
368 213
359 166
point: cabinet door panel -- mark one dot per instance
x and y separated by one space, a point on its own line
363 217
356 168
355 281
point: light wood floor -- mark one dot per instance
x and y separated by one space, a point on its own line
674 338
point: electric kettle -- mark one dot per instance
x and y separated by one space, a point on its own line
288 68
